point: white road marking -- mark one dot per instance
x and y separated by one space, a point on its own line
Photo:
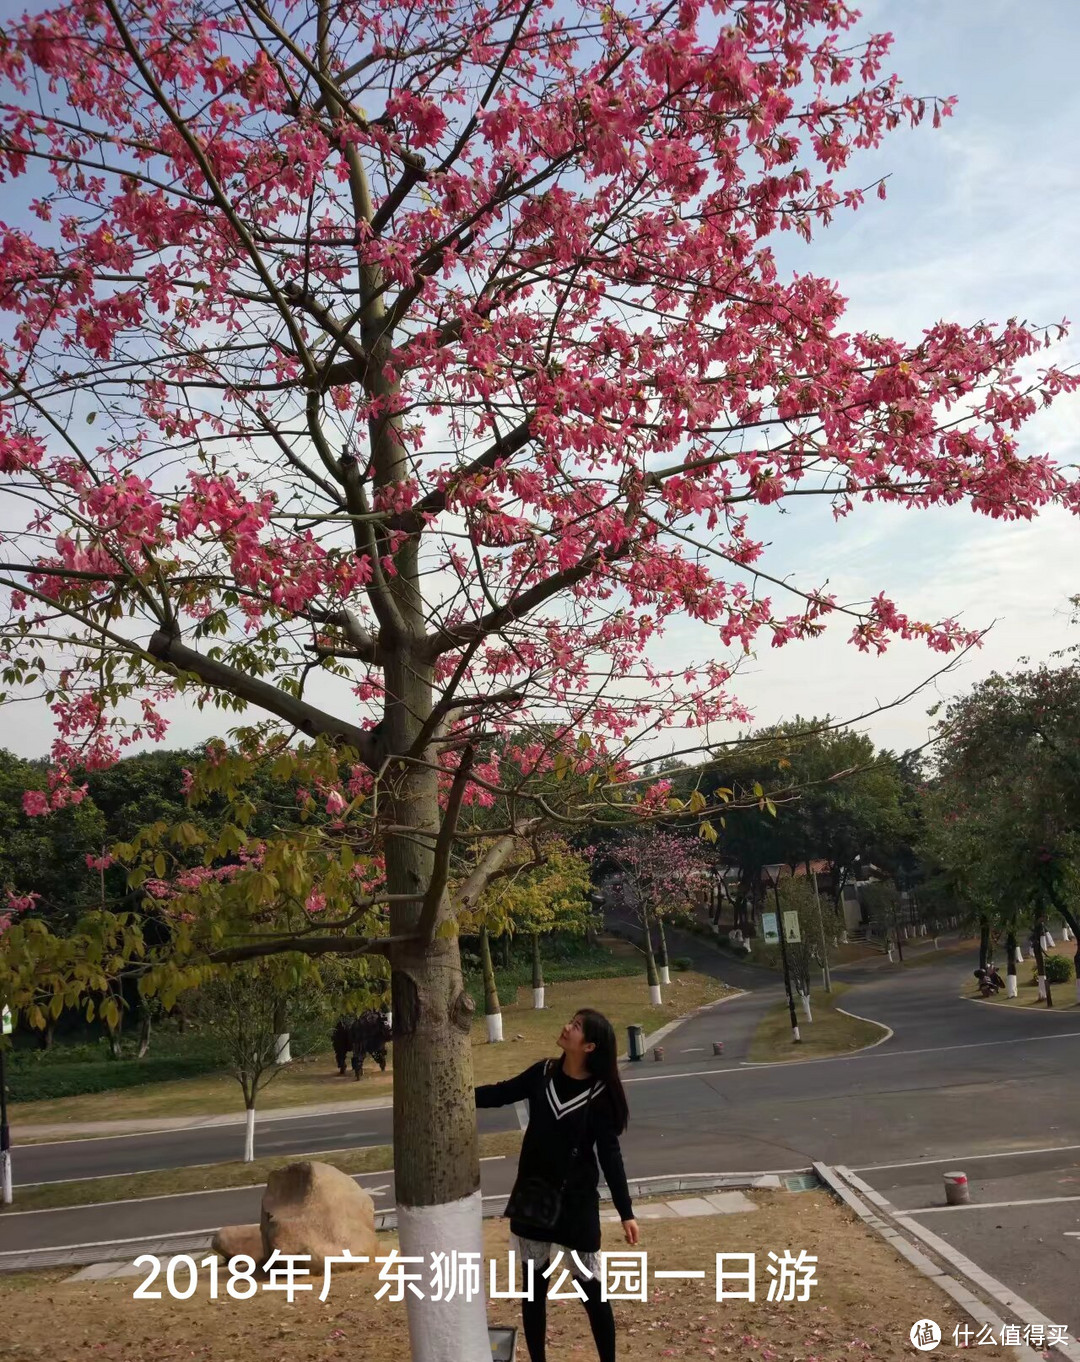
959 1158
852 1059
992 1205
691 1050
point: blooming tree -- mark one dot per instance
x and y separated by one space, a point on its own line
659 872
397 373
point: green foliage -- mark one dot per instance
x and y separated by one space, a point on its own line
1059 969
682 963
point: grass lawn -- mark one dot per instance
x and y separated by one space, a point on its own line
863 1305
830 1033
530 1035
1027 993
945 955
174 1181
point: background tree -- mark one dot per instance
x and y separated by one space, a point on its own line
244 1006
659 873
400 374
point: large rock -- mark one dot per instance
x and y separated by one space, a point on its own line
308 1208
234 1241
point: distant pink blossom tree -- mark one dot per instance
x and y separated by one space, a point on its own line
399 373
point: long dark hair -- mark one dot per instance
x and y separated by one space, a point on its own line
603 1061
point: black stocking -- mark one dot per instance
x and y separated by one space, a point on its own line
601 1320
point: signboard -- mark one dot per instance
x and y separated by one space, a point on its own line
770 929
6 1026
791 927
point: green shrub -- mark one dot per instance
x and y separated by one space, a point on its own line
682 962
34 1083
1059 969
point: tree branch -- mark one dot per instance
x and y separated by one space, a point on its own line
170 652
440 871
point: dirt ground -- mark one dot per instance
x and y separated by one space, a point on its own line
864 1305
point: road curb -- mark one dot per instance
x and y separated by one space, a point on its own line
836 1179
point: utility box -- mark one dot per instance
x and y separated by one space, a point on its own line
635 1042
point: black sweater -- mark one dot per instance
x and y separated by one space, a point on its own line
562 1119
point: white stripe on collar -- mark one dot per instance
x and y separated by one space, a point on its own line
561 1108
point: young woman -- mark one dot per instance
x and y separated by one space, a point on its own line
577 1111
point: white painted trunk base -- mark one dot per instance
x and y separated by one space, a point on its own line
1066 934
494 1027
5 1178
1048 942
538 998
249 1135
665 974
1041 981
454 1330
282 1049
654 995
1019 956
1010 985
804 999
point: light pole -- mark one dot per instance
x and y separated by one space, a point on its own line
5 1133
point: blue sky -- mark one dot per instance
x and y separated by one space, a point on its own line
980 222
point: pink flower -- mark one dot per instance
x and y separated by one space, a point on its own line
315 902
35 803
335 804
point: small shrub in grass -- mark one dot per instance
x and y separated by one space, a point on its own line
682 962
1059 969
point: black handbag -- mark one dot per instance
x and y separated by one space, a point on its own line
535 1201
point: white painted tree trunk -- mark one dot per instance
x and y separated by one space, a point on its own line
282 1049
494 1027
1066 934
249 1135
1041 981
454 1330
1010 985
654 995
804 999
538 999
665 974
1048 942
1019 956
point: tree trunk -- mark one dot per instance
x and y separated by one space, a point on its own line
47 1035
1010 968
436 1157
984 942
651 972
144 1032
506 958
282 1047
492 1009
249 1132
662 958
1040 962
537 973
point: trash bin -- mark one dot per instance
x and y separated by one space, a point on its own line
635 1042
